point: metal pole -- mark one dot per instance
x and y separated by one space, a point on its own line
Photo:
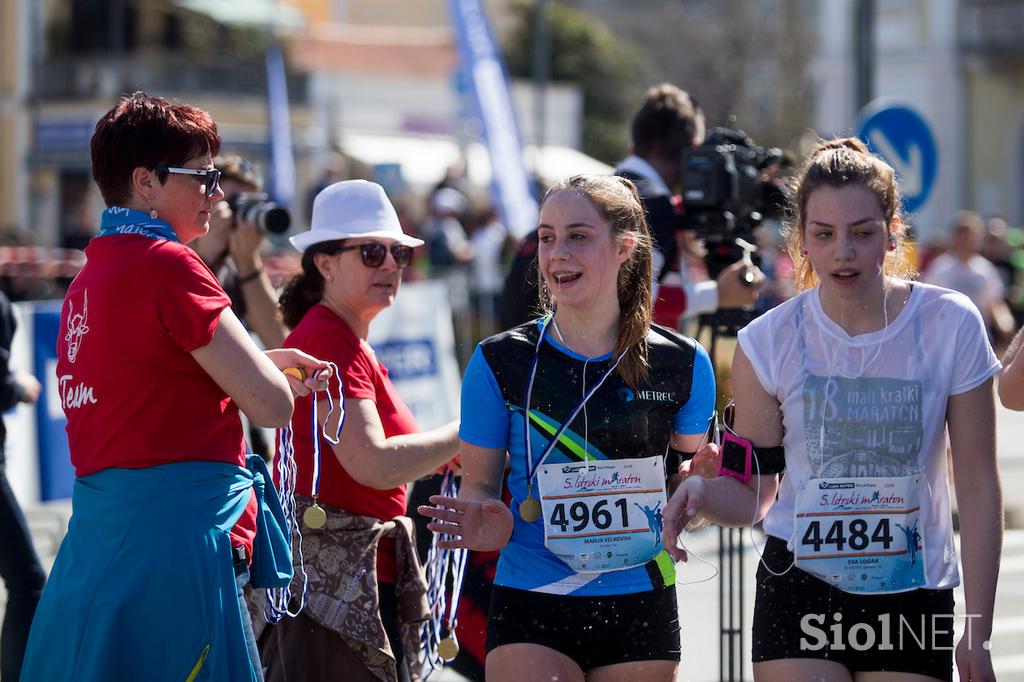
34 212
863 52
541 71
730 584
722 577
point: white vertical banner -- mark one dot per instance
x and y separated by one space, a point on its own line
414 340
22 445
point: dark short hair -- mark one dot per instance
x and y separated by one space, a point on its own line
669 121
147 131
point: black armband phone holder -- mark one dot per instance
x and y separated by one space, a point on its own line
770 460
741 459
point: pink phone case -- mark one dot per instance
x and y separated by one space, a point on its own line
743 476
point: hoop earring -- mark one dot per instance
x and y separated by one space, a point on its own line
153 214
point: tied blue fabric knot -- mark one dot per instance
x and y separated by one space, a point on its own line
272 553
143 587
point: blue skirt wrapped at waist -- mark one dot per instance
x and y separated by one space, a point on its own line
143 585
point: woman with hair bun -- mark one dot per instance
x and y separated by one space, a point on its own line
850 388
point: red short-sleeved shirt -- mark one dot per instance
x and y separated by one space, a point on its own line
324 335
132 392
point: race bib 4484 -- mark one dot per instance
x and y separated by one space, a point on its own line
861 535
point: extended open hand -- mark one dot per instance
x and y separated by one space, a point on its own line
480 526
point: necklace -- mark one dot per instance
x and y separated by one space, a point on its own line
834 368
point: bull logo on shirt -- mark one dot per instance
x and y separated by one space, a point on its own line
77 327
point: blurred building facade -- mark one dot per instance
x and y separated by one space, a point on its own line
960 64
385 84
373 79
992 42
73 58
15 21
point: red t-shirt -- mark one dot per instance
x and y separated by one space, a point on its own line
324 335
133 394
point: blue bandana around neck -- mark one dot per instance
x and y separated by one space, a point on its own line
119 220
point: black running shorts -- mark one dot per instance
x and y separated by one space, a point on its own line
592 631
796 615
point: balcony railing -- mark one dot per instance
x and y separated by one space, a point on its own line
992 27
77 78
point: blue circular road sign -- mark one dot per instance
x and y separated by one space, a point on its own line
900 136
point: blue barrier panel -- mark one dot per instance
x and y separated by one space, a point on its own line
56 475
408 358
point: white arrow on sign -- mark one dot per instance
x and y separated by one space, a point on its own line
909 169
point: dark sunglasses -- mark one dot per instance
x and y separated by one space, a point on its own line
374 253
211 176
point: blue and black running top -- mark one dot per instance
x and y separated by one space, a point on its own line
619 423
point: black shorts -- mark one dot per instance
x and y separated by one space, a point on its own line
796 615
592 631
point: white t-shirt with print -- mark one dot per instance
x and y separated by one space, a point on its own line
873 404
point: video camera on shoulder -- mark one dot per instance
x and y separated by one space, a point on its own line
256 209
725 195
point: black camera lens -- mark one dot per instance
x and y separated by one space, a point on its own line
256 210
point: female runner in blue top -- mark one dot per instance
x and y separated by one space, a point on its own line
588 402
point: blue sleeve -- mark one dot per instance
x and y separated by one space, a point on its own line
485 417
695 416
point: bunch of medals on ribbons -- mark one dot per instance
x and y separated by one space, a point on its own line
279 600
445 570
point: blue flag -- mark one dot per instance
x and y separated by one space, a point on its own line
281 185
488 88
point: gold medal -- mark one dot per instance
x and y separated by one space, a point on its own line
448 648
529 510
295 372
314 517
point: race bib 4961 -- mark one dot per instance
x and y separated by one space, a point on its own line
603 515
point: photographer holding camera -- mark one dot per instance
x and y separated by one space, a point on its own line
232 247
668 123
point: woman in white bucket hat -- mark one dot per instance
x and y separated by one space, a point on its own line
352 262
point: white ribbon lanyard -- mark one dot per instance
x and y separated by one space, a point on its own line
598 515
530 509
279 599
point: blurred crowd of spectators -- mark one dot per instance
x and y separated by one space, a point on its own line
469 247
